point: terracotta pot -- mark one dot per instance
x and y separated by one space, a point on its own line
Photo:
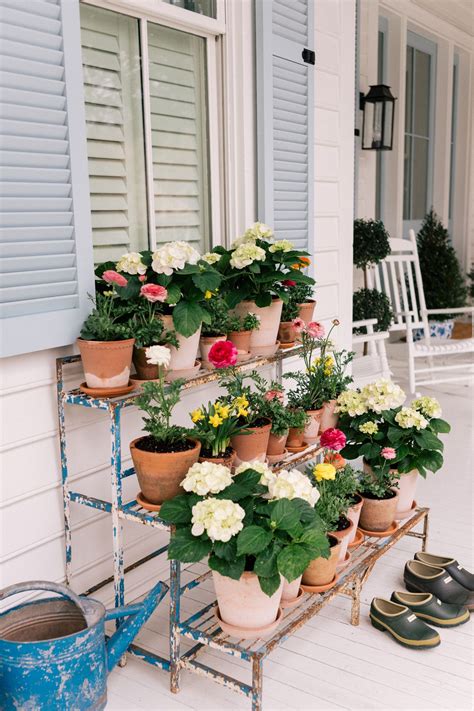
353 514
295 437
243 603
160 474
266 334
276 443
406 493
241 340
185 356
287 332
206 343
306 311
322 570
145 371
329 418
290 590
311 431
106 364
226 461
378 514
343 538
253 446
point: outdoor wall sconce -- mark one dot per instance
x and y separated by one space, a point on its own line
377 127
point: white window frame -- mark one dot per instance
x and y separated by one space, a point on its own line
212 30
453 142
380 158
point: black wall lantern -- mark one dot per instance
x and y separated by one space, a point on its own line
377 127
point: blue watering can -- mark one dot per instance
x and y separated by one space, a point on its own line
54 655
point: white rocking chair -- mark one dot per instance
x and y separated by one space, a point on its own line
399 277
373 365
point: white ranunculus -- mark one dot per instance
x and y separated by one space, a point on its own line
219 518
246 254
158 355
283 245
172 256
207 478
211 257
131 263
267 475
293 485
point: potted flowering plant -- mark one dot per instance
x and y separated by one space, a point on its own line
297 421
252 542
106 342
302 294
214 426
163 456
148 329
240 330
273 407
216 329
299 306
346 485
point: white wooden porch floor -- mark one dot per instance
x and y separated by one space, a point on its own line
328 664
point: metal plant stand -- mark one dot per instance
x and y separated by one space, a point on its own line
202 627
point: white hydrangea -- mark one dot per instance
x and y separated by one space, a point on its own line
382 395
293 485
246 254
219 518
158 355
428 406
408 417
172 256
131 263
351 402
259 230
267 475
207 478
211 257
283 245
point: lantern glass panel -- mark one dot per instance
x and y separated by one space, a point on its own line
387 125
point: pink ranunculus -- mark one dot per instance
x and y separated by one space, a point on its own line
274 395
112 277
142 277
299 325
223 354
153 292
388 453
289 282
315 329
333 439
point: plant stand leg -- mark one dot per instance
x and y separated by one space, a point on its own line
117 527
257 682
279 371
64 471
426 526
175 592
355 607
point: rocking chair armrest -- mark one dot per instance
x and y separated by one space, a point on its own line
457 310
364 322
370 337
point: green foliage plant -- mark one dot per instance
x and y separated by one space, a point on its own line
371 303
110 319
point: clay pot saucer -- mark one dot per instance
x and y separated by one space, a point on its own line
320 588
244 357
295 450
108 392
294 601
265 351
285 346
188 373
406 514
344 563
144 503
380 534
358 539
245 632
275 458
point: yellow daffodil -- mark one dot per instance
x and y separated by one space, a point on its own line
242 412
324 471
197 415
208 294
222 410
216 420
241 401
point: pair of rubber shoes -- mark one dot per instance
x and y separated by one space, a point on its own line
440 594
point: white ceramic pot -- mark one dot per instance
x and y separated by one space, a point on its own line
328 418
242 603
266 334
311 431
206 343
290 590
406 494
185 356
343 537
353 514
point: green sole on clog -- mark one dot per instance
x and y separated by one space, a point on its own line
455 622
412 644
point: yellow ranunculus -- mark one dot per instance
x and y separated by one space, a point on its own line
324 471
208 294
197 415
216 420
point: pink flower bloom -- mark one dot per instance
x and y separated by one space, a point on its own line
289 282
299 325
333 439
388 453
142 277
274 395
223 354
112 277
315 329
153 292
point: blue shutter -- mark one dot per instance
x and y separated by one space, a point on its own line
46 266
285 115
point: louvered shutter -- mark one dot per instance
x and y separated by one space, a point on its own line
45 242
179 136
115 143
285 115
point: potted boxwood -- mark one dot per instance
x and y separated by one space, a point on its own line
163 456
251 542
214 426
148 329
239 331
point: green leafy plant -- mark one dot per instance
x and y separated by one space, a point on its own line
219 316
301 293
290 310
157 401
371 243
249 322
297 418
251 405
272 404
439 267
110 319
270 537
371 303
379 482
147 327
215 424
332 504
345 485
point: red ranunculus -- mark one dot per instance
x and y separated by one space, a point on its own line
333 439
289 282
223 354
112 277
153 292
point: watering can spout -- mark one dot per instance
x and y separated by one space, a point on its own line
137 615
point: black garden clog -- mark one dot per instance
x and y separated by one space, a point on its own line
420 577
402 624
451 566
431 609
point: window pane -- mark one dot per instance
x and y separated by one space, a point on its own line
422 93
409 90
452 166
115 144
407 179
419 178
179 135
203 7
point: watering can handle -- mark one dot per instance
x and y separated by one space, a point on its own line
43 585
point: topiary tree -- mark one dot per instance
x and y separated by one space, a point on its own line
443 281
370 303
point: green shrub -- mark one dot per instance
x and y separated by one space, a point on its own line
370 303
370 242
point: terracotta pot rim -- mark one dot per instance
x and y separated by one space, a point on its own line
331 535
393 498
211 338
308 301
257 428
241 333
275 299
197 444
124 341
313 412
340 535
